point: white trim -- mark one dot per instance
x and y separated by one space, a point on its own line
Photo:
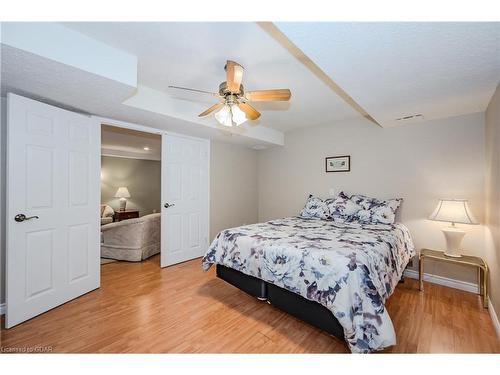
494 317
440 280
130 156
209 192
3 309
128 125
143 128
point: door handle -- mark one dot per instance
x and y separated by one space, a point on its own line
167 205
22 217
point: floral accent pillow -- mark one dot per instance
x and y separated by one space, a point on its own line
342 208
375 211
315 208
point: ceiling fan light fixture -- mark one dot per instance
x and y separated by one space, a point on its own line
239 117
224 116
230 115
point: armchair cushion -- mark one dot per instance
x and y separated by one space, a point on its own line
106 214
106 220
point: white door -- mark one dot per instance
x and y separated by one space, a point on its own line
185 191
53 163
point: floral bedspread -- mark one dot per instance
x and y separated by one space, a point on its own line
349 268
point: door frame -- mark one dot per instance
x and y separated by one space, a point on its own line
147 129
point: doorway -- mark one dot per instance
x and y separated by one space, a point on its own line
185 191
130 194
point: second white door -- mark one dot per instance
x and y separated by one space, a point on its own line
185 198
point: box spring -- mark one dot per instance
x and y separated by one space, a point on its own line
309 311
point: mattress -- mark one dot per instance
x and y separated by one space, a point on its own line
349 268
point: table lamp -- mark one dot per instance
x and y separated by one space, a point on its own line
123 194
453 211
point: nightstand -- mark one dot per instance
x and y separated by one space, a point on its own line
125 215
468 260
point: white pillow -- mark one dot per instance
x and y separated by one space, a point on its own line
375 211
315 208
108 211
342 208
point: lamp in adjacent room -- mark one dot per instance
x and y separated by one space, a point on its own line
123 194
453 211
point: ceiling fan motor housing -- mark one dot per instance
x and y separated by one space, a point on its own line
224 91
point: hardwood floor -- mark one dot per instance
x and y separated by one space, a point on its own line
141 308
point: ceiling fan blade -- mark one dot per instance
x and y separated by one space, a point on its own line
251 112
268 95
234 76
195 90
211 109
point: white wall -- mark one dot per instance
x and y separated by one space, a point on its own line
493 197
141 177
420 163
233 186
3 134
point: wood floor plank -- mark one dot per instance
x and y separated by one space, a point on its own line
141 308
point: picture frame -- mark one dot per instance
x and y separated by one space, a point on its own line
338 163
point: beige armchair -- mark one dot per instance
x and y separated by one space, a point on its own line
132 240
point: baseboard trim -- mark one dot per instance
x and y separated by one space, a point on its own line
494 317
451 283
3 308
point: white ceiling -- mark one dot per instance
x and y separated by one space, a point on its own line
122 142
58 84
389 69
398 69
194 54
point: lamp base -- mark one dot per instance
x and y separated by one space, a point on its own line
454 238
123 204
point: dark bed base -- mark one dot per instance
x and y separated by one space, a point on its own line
303 309
249 284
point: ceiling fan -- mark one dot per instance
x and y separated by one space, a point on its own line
234 107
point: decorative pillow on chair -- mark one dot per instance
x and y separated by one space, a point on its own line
107 211
342 208
376 211
315 208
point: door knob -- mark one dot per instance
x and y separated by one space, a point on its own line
22 217
167 205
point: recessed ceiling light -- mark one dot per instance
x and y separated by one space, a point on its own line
146 149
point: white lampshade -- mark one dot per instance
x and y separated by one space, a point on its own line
453 211
229 114
122 192
224 116
239 117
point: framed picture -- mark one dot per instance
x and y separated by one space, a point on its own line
338 163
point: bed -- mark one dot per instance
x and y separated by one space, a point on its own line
335 275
